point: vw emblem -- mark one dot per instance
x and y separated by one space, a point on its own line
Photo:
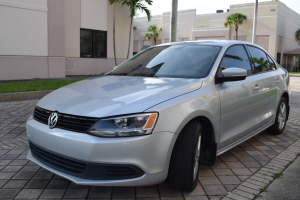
52 120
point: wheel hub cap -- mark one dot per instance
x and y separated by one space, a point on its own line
282 115
197 156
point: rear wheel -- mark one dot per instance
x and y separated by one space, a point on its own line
281 117
184 165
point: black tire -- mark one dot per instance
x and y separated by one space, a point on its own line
182 173
277 128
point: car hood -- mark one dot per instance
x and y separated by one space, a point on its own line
115 95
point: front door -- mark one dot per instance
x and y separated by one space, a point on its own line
240 100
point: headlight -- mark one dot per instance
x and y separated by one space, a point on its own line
124 126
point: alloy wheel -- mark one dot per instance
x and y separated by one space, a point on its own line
281 115
197 156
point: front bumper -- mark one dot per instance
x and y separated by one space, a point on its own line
150 153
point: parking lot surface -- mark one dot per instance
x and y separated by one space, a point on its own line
237 173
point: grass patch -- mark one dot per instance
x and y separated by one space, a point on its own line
294 73
37 85
262 189
289 164
277 175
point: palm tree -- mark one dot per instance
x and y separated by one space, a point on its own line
153 32
114 28
297 36
134 6
235 19
174 20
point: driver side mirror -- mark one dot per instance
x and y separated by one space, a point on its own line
232 74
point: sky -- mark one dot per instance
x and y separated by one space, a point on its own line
208 6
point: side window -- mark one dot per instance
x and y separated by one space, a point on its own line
272 64
259 60
237 57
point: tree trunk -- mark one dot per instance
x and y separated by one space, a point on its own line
129 37
114 34
236 32
174 20
254 22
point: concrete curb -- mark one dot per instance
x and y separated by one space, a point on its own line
23 95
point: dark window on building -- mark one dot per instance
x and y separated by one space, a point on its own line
93 44
237 57
259 59
278 58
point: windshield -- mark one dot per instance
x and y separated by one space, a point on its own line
177 61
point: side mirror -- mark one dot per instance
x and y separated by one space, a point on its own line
232 74
115 67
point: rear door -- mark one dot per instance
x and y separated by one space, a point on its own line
266 72
240 105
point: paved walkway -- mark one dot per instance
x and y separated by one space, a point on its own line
240 173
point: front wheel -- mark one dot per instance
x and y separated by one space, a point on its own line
281 118
184 165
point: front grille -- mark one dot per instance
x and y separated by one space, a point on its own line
66 121
84 169
57 162
41 115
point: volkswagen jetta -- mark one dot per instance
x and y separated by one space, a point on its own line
160 114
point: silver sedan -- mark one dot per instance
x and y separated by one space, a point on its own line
160 114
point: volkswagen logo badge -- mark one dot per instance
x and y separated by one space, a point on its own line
52 120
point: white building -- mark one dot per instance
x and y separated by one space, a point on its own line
276 28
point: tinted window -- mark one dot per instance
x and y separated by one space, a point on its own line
237 57
259 59
272 64
178 61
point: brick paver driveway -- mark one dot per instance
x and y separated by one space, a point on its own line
238 171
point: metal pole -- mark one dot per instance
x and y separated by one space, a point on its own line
254 22
173 13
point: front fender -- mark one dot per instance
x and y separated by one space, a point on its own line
174 114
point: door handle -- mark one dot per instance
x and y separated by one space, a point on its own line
257 87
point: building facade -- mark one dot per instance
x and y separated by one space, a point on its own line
55 38
276 27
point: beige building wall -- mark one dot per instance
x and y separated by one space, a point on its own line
266 24
41 38
23 39
94 14
56 39
23 27
72 29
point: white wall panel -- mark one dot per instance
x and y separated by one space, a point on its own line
94 14
23 31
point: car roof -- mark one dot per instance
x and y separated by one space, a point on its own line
223 43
